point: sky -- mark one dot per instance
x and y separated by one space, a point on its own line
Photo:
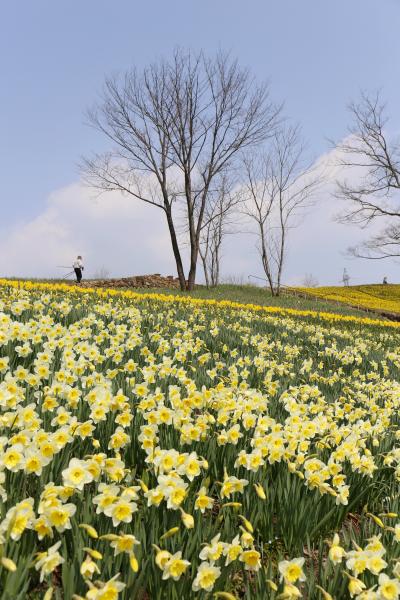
316 55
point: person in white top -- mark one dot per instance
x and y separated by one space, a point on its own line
78 268
345 278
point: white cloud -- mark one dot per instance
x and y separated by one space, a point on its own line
128 237
112 231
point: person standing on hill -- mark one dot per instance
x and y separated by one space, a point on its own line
78 268
345 278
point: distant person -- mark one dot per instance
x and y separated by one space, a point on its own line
385 281
78 268
346 278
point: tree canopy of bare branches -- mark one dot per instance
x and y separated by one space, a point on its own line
279 187
219 221
173 128
376 195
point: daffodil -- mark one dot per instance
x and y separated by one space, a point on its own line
292 570
206 576
175 566
47 561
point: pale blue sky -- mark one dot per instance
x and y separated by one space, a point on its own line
317 54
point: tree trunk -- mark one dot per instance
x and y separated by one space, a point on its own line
215 267
175 248
205 267
192 271
264 259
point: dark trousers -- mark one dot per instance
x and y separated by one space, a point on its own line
78 273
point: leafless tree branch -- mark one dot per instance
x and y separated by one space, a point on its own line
219 221
280 187
174 128
370 151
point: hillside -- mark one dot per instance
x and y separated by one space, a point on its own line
380 299
222 443
251 294
328 299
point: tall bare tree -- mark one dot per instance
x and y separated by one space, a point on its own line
174 128
219 221
279 188
375 196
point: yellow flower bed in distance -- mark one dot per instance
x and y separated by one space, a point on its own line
385 298
169 448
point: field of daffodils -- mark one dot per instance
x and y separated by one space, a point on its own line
166 448
379 298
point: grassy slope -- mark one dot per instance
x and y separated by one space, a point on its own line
249 294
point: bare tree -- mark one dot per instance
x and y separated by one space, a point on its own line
102 273
309 281
376 195
279 188
174 128
218 221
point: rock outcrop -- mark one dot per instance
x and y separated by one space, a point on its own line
136 281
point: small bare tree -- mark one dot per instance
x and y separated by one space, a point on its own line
279 188
218 222
173 129
377 194
102 273
309 281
